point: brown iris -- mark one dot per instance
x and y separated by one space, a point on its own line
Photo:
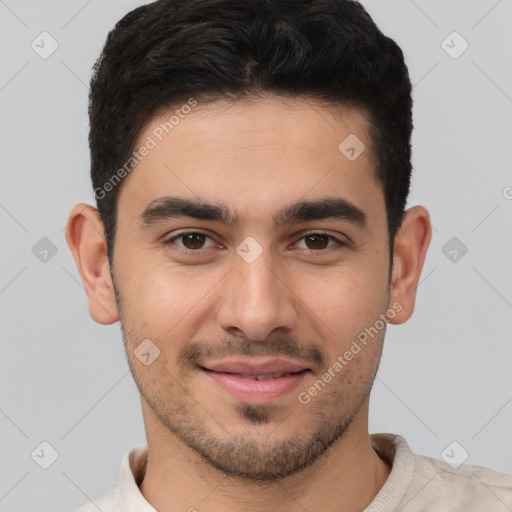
318 241
193 240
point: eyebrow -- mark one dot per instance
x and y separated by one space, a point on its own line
335 208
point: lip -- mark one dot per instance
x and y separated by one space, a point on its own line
250 367
236 376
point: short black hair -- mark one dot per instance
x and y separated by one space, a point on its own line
168 52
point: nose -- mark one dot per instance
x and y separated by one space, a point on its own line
256 299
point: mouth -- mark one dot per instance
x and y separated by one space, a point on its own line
255 382
267 376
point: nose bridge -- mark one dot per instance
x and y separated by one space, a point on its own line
256 301
259 281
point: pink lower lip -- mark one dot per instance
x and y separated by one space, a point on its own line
255 391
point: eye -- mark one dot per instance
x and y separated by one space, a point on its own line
190 240
320 241
195 241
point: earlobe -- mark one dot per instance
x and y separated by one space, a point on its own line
410 249
86 240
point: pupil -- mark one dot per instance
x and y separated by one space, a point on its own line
315 239
194 240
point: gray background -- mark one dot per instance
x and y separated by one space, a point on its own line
444 376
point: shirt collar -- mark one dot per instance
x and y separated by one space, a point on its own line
133 469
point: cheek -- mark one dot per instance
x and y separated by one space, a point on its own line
168 303
348 300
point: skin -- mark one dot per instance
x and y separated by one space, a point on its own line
207 449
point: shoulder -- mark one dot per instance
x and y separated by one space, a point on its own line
467 487
107 502
418 483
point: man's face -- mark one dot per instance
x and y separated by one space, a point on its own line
268 295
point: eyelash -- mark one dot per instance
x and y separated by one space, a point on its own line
339 244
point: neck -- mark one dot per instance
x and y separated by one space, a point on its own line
345 478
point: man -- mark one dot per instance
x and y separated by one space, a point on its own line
251 165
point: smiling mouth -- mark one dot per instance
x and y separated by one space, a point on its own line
268 376
256 388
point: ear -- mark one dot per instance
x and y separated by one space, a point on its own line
86 239
410 249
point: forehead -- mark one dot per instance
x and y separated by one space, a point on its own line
255 154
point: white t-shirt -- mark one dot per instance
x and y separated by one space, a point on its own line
416 483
